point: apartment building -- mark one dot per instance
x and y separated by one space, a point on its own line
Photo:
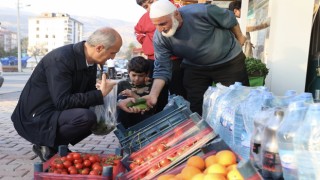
8 39
51 30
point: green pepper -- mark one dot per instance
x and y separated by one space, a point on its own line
138 101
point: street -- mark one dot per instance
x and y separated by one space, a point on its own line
16 155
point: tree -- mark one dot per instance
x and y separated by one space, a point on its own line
129 50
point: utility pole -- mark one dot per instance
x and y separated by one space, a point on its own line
18 36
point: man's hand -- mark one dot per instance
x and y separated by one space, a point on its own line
151 100
105 85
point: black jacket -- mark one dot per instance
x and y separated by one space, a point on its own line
60 81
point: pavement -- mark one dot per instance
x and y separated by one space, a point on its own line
16 156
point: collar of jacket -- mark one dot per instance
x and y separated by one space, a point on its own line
78 50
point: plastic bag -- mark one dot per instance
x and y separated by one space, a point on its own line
106 114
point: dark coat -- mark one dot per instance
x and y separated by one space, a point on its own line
60 81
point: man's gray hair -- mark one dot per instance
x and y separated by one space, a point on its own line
105 36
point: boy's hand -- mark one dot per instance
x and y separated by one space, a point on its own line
128 93
123 104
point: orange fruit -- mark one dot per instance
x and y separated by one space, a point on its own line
217 169
231 167
198 177
226 157
189 171
214 177
196 161
211 160
166 177
178 177
234 175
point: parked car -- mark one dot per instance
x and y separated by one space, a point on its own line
1 75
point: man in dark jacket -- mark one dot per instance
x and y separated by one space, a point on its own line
53 107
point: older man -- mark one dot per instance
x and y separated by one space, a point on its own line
53 107
208 39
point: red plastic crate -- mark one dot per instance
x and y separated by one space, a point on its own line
45 175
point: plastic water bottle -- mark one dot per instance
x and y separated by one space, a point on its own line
260 121
271 164
228 106
212 109
305 97
285 135
307 145
243 123
206 101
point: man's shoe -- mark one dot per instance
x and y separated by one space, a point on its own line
44 152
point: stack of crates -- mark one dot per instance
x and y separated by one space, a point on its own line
141 134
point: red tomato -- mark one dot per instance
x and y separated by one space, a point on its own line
72 168
152 149
79 166
93 159
76 161
133 165
76 155
161 148
93 172
164 162
67 164
85 171
149 157
73 171
97 168
138 160
153 169
87 163
63 159
59 166
53 164
70 157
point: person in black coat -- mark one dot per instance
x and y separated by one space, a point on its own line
53 108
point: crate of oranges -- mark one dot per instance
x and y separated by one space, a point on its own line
170 157
220 165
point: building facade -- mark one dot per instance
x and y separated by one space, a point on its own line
51 30
8 39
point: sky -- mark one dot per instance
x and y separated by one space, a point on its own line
126 10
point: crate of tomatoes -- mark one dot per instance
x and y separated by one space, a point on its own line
170 149
75 165
141 134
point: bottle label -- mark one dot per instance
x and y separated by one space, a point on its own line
271 162
256 148
287 159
